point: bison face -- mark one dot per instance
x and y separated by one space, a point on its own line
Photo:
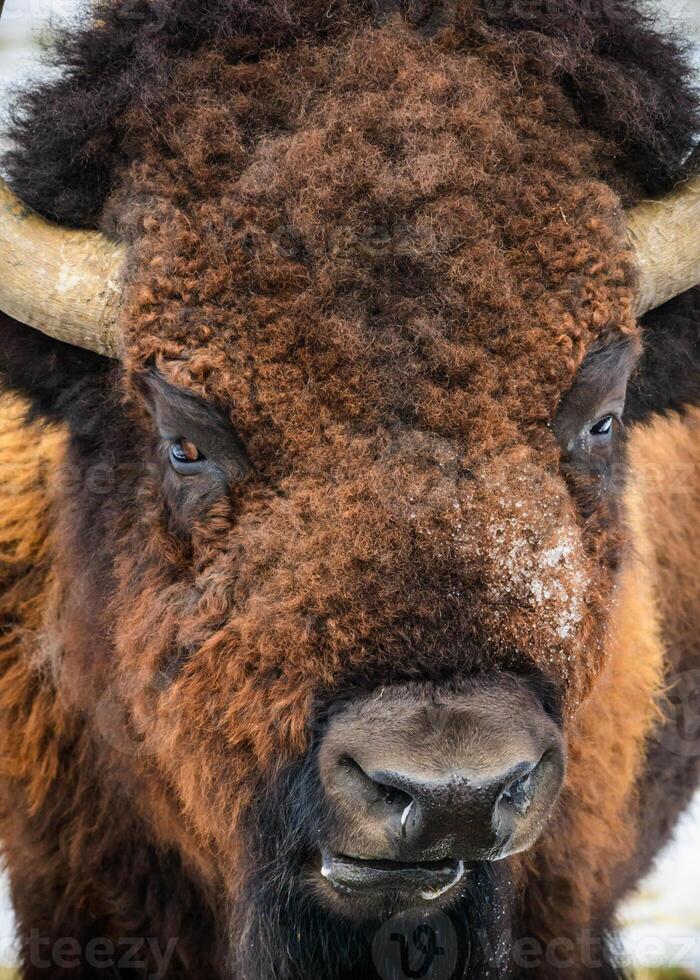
336 613
394 632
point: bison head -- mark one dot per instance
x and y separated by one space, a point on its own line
337 543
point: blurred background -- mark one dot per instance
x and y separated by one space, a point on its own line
660 926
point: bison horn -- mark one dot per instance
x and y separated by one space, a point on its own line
67 283
665 236
63 282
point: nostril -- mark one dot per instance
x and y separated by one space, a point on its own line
526 799
389 794
518 793
369 790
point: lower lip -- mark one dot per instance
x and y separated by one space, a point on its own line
427 880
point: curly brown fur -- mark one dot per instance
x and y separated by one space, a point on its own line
100 877
381 251
626 80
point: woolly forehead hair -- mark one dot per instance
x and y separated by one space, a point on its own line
376 231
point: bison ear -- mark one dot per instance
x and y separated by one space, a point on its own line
668 374
62 383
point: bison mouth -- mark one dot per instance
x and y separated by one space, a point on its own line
291 919
426 880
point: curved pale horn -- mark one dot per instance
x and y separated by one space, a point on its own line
63 282
665 235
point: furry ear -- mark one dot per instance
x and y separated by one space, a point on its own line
61 383
668 374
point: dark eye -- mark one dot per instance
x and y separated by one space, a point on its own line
186 457
603 427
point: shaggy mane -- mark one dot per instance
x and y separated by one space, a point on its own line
626 80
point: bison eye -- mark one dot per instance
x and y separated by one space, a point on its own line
603 428
185 457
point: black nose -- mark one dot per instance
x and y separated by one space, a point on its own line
420 784
450 809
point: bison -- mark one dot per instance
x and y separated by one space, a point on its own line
349 537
